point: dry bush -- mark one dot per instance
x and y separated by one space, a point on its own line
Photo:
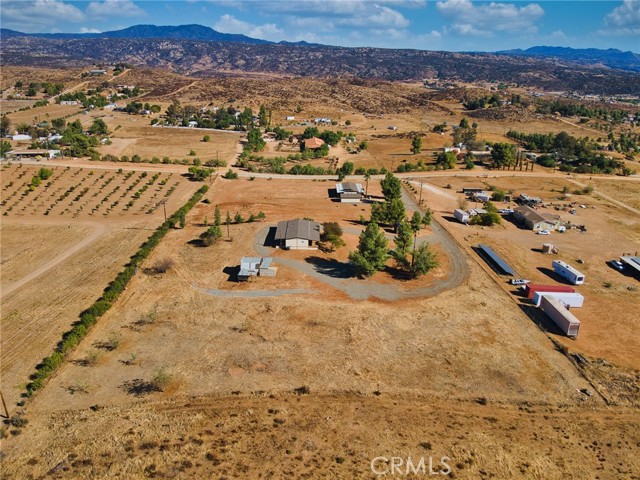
162 266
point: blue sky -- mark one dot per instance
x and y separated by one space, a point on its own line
457 25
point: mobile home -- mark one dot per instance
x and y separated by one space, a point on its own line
567 272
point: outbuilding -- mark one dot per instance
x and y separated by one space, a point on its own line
461 215
298 234
350 192
567 272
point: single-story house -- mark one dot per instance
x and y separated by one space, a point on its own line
536 221
524 199
69 102
290 118
33 153
256 266
298 234
349 192
97 72
313 143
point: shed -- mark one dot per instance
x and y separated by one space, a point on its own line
349 192
256 266
461 215
298 234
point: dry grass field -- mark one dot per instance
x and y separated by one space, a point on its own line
61 244
312 373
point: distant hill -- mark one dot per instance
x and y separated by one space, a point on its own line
612 58
183 32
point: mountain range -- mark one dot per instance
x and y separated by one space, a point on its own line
183 32
201 51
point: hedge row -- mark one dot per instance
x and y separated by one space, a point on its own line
90 316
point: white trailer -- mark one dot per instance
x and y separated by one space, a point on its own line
573 300
560 314
461 215
567 272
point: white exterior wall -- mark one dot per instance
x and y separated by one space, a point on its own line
574 300
461 216
574 276
297 244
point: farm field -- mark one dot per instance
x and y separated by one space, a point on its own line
62 242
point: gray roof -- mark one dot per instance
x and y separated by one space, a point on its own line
298 228
349 187
535 217
633 262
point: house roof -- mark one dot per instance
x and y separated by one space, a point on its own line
349 187
298 228
313 142
530 214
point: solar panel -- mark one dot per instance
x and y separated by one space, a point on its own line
495 258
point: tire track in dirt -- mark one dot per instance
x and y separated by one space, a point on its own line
7 290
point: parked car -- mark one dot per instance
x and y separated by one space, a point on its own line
519 281
505 210
618 265
544 232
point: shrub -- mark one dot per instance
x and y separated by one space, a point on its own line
160 379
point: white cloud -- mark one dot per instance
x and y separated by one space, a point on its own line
35 15
377 16
484 19
229 24
89 30
114 8
623 20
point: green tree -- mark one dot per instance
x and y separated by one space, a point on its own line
424 260
416 222
5 126
416 145
332 234
391 187
206 138
4 148
238 218
371 254
503 154
255 142
211 235
98 127
182 218
217 218
446 159
402 241
464 123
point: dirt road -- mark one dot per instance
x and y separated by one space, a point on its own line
100 229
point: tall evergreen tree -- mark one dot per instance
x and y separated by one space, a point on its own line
372 251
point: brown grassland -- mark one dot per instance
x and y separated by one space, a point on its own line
312 373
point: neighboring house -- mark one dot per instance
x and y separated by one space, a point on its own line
524 199
97 72
298 234
313 143
349 192
536 221
290 118
69 102
111 106
256 266
33 153
323 120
